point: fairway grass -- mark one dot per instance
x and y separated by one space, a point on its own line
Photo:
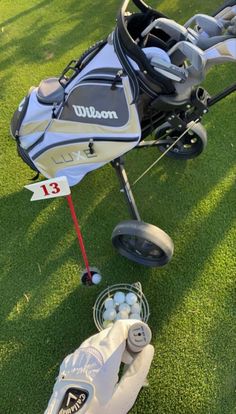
45 312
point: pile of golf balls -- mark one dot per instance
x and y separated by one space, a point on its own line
121 306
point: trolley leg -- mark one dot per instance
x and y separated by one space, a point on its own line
118 164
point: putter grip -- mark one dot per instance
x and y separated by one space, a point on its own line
138 337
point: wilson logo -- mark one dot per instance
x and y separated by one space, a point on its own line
91 112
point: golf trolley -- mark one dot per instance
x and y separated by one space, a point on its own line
144 78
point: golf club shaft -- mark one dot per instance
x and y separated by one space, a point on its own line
79 235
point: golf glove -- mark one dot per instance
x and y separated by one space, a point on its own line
88 379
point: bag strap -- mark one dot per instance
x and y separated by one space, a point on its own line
133 50
125 63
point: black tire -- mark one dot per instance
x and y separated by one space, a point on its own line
143 243
190 146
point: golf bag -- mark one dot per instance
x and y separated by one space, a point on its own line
70 129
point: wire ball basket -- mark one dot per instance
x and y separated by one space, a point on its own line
109 292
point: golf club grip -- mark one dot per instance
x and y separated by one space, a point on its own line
139 336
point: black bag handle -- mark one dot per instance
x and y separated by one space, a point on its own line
126 39
134 51
141 5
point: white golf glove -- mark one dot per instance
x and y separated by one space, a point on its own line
88 378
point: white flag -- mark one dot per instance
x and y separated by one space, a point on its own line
55 187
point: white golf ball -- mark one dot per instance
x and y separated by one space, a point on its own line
109 303
119 298
131 298
107 324
136 308
96 278
125 307
122 315
109 314
135 316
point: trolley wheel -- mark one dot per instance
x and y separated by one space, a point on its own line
143 243
190 146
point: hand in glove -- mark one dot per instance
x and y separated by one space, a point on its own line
88 378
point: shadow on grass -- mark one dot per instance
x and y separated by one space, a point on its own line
41 35
24 13
32 287
31 45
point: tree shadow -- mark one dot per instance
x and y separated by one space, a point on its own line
42 35
45 309
40 345
70 31
24 13
178 10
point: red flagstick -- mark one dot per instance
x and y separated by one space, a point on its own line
79 235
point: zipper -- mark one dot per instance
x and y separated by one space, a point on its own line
101 77
88 79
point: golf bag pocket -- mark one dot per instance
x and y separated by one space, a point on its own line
30 120
97 101
18 117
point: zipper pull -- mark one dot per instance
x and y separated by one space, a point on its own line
91 144
116 79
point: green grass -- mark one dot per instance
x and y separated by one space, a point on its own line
45 312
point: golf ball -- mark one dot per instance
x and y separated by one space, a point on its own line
109 314
96 278
109 303
135 316
119 297
136 308
122 315
131 298
125 307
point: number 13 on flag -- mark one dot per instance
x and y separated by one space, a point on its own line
55 187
